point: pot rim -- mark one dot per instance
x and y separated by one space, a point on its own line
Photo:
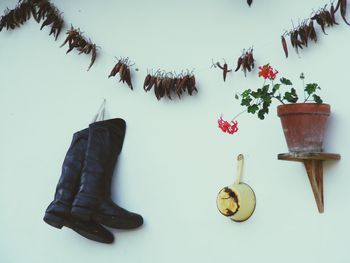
303 108
303 103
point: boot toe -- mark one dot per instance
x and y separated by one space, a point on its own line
122 221
115 216
93 231
137 219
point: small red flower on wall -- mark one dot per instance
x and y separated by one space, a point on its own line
226 127
267 72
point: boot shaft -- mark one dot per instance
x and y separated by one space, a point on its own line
72 166
103 148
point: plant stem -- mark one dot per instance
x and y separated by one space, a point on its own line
235 117
278 99
307 98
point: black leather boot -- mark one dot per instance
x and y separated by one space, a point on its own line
93 201
58 213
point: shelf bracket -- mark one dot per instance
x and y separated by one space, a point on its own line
313 163
314 169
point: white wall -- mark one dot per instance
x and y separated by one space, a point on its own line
174 159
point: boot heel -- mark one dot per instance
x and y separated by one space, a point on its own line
54 220
82 213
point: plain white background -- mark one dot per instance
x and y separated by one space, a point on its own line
174 159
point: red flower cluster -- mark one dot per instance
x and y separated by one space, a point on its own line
225 126
267 72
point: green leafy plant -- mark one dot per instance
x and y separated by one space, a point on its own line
258 101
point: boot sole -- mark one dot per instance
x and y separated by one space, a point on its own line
85 214
59 222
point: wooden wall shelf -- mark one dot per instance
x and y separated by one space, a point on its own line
313 163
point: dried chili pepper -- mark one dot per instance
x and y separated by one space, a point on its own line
284 45
147 81
93 56
332 12
312 31
224 69
239 63
343 4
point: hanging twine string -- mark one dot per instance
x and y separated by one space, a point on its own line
321 19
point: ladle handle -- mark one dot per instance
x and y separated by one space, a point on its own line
240 159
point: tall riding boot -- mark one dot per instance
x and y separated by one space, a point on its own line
58 213
93 201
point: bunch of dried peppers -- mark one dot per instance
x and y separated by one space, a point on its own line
123 68
305 31
39 9
166 83
76 40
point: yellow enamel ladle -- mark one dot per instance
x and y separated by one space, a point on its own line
238 200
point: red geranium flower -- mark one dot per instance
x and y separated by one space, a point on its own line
226 127
267 72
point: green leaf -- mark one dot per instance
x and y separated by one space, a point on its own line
286 81
291 96
265 88
261 114
266 105
293 92
255 94
246 101
246 93
275 88
317 99
311 88
253 108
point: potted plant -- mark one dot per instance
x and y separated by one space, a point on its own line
303 122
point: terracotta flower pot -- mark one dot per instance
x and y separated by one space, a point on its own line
304 125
